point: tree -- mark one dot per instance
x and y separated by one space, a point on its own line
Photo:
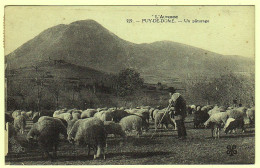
127 82
222 90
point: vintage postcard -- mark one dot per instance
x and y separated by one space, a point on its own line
129 85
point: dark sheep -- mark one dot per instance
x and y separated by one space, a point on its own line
233 125
118 115
200 117
47 134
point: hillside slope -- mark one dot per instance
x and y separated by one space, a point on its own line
88 44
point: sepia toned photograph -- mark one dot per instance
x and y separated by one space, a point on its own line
129 85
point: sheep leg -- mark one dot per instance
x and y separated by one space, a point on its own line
55 150
47 155
95 152
242 127
139 132
104 152
155 126
212 132
166 126
88 150
100 150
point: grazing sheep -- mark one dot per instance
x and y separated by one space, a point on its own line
133 122
47 132
157 111
189 110
16 113
102 109
215 122
90 132
64 122
76 115
193 106
222 108
163 118
117 115
237 112
121 108
206 108
200 117
23 113
99 114
70 125
214 111
106 116
71 111
251 115
132 111
36 116
58 112
144 113
114 128
88 113
65 116
151 113
233 124
20 123
29 114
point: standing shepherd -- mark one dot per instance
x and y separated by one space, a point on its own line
179 104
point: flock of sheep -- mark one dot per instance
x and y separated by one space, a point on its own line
91 127
217 117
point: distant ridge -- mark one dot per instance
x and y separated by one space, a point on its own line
88 44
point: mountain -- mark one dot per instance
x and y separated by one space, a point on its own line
88 44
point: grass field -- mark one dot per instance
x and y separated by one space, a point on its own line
163 148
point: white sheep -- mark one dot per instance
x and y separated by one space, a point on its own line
20 123
16 113
237 112
104 115
163 117
121 108
133 122
215 122
65 116
151 110
23 113
58 112
70 124
29 114
90 132
214 111
88 113
76 115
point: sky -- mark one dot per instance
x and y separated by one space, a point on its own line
229 29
